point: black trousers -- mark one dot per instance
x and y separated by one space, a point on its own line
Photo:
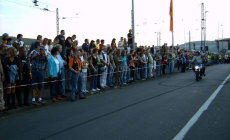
24 88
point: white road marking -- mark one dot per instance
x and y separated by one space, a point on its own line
196 116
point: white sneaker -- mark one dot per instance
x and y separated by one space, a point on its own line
98 89
93 90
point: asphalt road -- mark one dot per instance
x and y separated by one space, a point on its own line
150 110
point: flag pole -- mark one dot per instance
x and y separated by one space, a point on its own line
171 23
172 41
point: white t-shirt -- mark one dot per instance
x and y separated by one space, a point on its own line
82 59
47 51
120 45
128 50
57 63
105 56
21 43
9 46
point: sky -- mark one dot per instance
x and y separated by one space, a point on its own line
108 19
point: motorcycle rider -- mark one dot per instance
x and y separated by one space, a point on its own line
198 60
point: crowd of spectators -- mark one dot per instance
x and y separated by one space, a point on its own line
67 67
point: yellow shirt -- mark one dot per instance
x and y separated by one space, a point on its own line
97 46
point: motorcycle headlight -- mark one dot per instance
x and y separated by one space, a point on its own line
197 67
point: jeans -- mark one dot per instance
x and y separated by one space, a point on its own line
63 53
167 69
124 74
76 85
128 74
62 81
68 81
136 73
84 80
143 72
150 71
110 76
146 71
118 75
172 66
103 77
2 102
158 69
37 77
93 78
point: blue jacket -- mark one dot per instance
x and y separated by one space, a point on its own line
52 67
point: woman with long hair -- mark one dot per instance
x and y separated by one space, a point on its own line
12 65
113 44
124 68
93 63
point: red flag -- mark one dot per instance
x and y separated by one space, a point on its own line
171 16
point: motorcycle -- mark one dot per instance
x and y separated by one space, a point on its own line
198 72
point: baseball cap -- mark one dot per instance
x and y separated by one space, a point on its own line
5 35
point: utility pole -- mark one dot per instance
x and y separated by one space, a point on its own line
203 27
133 25
57 21
222 36
189 40
205 30
159 38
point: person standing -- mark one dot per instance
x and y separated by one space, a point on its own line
68 43
97 45
104 59
61 38
158 59
183 68
53 74
121 44
75 66
130 39
150 63
91 46
85 46
102 44
9 43
143 64
2 79
118 60
85 65
25 76
32 47
113 44
46 46
73 37
39 59
93 62
61 75
12 66
111 68
132 61
68 73
5 36
19 40
173 61
124 68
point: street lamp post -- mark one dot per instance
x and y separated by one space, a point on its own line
157 38
57 20
222 36
133 25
